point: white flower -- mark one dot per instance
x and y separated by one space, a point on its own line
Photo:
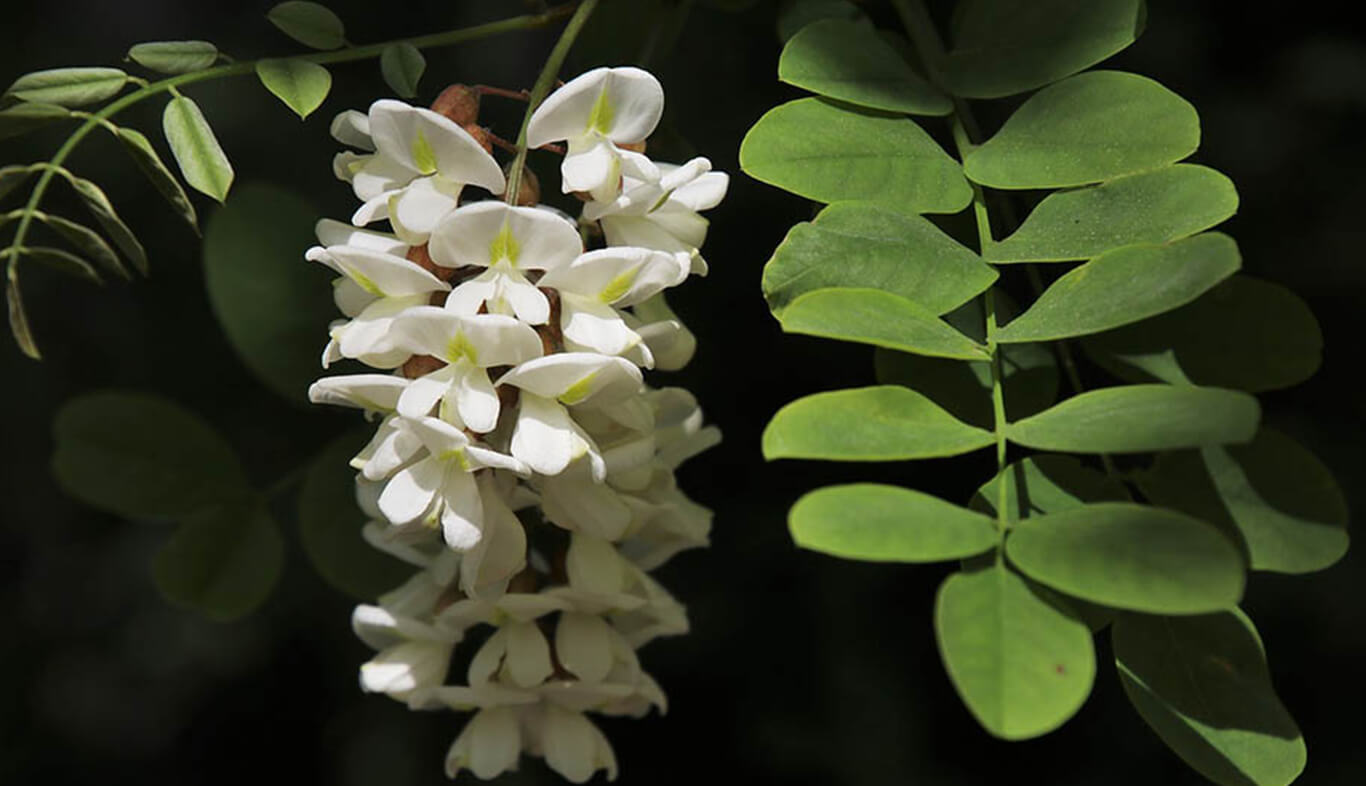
378 284
489 745
596 113
662 214
421 161
440 488
571 744
596 283
392 446
469 345
508 241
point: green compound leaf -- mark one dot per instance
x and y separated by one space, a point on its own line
147 159
142 456
1003 47
850 62
1091 127
869 521
88 242
1140 418
795 15
174 57
1045 484
223 562
1133 557
1274 495
1030 372
827 153
310 24
864 245
269 302
63 262
1151 207
95 200
1021 661
1202 683
871 316
68 87
330 525
23 118
1244 334
884 423
196 149
1124 286
18 319
402 65
301 85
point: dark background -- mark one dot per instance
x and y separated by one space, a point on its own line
800 668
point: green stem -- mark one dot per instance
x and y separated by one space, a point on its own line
920 27
542 88
147 90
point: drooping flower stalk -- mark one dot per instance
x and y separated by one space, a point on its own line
520 463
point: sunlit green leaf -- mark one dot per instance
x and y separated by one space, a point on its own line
797 14
273 306
1085 129
828 153
63 262
22 118
850 62
1002 47
142 456
871 316
885 423
196 149
1131 556
1273 494
140 148
1124 286
1139 418
1203 685
310 24
1021 661
1245 334
68 86
95 200
88 242
868 521
1151 207
330 526
222 562
402 65
301 85
1046 484
174 57
861 244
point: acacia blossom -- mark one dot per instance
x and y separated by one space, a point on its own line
520 462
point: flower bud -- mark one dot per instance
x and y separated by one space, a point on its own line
460 103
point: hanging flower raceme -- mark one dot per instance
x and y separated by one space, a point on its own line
520 462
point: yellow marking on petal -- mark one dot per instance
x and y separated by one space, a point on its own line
600 117
364 282
354 167
433 519
504 246
460 347
661 201
424 157
579 390
618 286
458 456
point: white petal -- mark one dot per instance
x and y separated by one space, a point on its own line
374 176
575 377
475 399
521 298
383 275
593 167
704 193
401 668
584 645
622 276
411 491
638 166
543 438
446 442
416 209
462 517
377 392
466 298
488 746
501 552
429 143
623 104
483 233
593 565
591 326
487 659
352 128
527 662
338 233
574 501
423 393
350 297
375 208
574 746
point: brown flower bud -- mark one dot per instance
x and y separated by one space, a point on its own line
481 135
419 256
529 188
460 103
634 147
421 365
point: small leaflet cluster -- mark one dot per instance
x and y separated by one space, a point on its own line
520 463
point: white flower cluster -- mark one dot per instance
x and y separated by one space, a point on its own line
520 462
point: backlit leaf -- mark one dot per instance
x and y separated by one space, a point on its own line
301 85
147 159
401 66
175 57
69 87
22 118
63 262
95 200
1085 129
828 153
196 149
310 24
88 242
222 562
850 62
871 316
868 521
